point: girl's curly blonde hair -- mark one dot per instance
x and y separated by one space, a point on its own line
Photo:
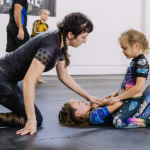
132 36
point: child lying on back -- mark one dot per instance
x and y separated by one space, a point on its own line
80 113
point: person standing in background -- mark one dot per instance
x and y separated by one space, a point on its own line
40 26
17 33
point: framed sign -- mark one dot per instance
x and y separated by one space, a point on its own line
34 6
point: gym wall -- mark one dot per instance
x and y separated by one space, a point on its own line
102 53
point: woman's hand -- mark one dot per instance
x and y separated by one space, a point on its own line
112 95
103 103
112 100
30 128
95 100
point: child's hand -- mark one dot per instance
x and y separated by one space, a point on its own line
93 105
112 100
112 95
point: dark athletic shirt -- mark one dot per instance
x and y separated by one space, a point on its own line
24 5
44 47
139 67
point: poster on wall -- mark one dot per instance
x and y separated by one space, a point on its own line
34 6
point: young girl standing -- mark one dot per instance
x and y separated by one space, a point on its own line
134 45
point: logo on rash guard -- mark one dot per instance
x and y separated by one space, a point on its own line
142 62
141 70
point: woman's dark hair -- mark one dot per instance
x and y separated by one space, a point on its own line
76 23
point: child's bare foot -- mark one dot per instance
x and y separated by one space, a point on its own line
40 81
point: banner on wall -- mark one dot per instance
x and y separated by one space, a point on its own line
34 6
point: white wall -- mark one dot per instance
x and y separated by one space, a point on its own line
146 21
102 53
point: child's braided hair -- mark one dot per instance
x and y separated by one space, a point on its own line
76 23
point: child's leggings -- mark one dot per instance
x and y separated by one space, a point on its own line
129 109
11 97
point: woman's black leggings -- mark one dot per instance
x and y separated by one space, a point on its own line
11 97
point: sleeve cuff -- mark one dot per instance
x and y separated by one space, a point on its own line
142 75
19 3
38 58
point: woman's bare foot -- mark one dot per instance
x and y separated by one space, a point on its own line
40 81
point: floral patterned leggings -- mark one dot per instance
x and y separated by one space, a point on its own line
134 113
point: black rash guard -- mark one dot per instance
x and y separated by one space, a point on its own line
45 47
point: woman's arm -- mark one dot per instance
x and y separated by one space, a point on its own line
140 82
70 83
29 81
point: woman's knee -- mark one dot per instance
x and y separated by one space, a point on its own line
39 120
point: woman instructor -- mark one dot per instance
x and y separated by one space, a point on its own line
27 63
